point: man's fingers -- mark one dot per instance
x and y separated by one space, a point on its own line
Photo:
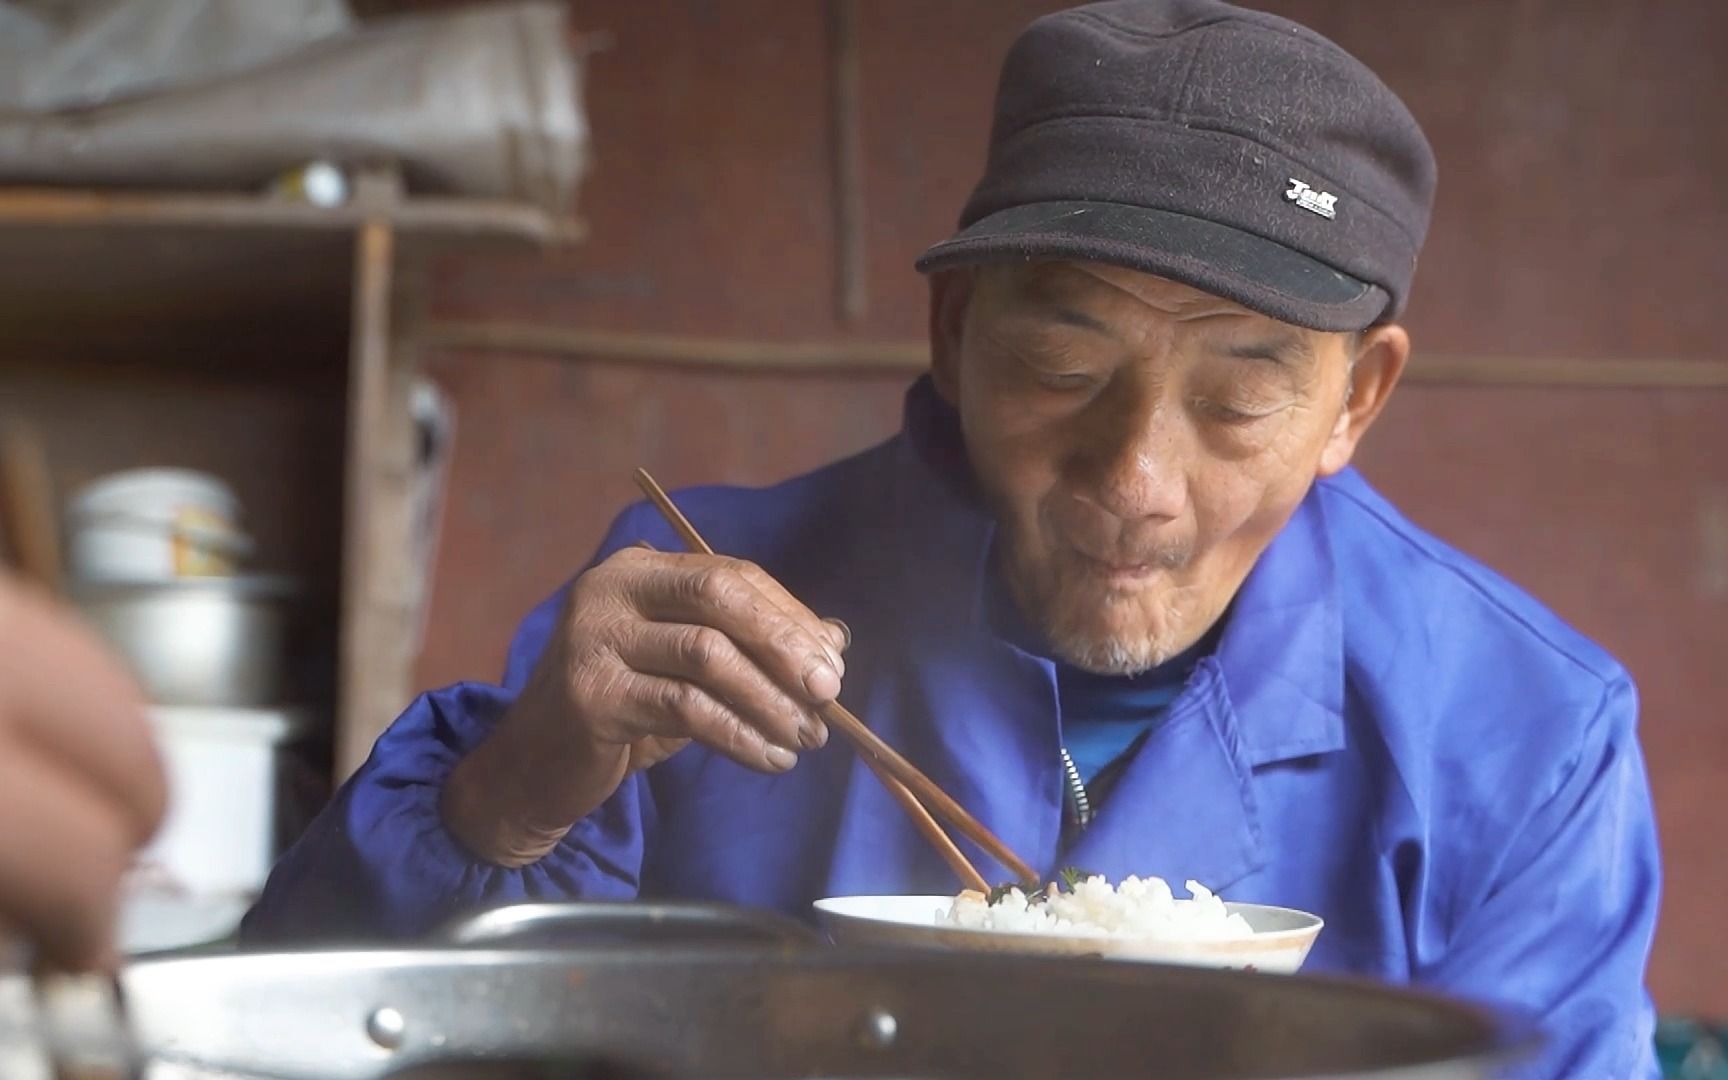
796 653
708 658
841 632
65 695
836 634
651 750
64 850
673 708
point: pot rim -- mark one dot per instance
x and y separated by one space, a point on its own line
239 586
1488 1035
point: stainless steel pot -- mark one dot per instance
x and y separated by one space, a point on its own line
505 1004
216 641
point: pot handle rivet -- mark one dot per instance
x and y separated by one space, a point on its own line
878 1029
387 1027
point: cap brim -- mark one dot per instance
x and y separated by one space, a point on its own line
1257 273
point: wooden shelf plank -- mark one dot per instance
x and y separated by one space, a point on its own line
91 270
457 217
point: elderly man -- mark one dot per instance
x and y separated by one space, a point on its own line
1114 586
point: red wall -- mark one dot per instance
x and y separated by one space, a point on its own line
1583 214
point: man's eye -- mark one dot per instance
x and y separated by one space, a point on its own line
1064 380
1226 413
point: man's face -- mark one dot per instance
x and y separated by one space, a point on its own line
1141 443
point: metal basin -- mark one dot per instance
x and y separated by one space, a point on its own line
779 1008
196 641
731 1013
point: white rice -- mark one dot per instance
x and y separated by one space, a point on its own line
1138 908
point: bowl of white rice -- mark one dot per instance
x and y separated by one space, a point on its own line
1137 919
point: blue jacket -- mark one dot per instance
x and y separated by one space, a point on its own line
1388 734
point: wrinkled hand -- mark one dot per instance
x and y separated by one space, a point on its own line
81 787
657 650
652 651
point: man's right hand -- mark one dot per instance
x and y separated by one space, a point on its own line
651 651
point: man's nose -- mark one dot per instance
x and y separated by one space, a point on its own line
1133 460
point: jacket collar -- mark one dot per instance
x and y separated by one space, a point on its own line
1280 658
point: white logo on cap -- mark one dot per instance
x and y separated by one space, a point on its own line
1303 194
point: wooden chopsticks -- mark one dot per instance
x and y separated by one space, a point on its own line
916 793
27 513
932 832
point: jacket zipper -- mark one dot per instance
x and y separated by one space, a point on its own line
1079 803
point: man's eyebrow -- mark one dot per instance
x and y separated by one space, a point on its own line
1286 352
1046 297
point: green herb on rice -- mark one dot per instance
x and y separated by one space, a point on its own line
1066 881
1071 877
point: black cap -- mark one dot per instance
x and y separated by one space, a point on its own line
1228 149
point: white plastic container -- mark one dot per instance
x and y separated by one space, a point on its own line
219 837
155 525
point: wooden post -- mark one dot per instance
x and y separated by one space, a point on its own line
376 652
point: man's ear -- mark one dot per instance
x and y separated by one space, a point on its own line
1380 359
950 295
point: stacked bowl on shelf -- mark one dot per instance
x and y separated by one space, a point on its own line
156 559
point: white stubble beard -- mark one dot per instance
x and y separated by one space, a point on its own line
1073 641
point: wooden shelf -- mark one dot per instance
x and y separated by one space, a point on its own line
100 270
98 286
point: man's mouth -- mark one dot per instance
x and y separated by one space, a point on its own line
1119 570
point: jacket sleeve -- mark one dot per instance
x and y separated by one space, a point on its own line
1563 928
378 863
